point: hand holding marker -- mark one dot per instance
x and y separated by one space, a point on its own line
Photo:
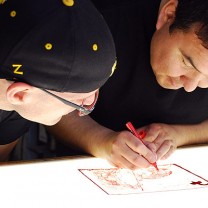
140 136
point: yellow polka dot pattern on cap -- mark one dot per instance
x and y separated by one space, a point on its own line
68 2
114 67
95 47
89 43
2 1
48 46
13 13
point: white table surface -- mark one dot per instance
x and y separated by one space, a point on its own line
58 183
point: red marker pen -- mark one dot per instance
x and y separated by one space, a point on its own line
140 136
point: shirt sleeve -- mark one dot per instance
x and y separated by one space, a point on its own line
12 126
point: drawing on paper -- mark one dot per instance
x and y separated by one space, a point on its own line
124 181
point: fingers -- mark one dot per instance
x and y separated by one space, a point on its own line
138 147
136 160
163 136
126 163
129 152
152 132
151 146
165 149
169 153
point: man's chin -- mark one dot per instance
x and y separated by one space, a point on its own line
52 122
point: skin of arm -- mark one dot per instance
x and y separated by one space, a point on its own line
121 149
6 149
82 132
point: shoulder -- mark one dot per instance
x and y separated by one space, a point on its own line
6 116
12 126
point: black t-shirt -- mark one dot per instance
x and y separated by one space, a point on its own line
132 93
12 126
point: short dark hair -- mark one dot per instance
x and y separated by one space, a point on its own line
189 13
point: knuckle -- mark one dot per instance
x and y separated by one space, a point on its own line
145 165
174 148
165 157
118 165
168 143
115 146
124 134
138 145
122 137
156 127
131 167
137 162
150 157
116 143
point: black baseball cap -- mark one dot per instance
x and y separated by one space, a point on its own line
59 45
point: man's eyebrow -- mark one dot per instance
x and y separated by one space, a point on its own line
189 59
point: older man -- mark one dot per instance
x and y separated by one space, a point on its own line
54 57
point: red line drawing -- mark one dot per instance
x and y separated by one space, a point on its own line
170 177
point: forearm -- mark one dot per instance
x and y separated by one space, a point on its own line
84 133
193 134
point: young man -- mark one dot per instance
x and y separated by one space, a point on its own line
54 57
167 98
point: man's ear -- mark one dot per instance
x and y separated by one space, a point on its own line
166 13
17 93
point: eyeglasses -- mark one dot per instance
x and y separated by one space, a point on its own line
83 109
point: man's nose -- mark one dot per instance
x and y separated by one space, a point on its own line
91 99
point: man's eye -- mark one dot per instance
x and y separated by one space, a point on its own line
183 60
185 63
